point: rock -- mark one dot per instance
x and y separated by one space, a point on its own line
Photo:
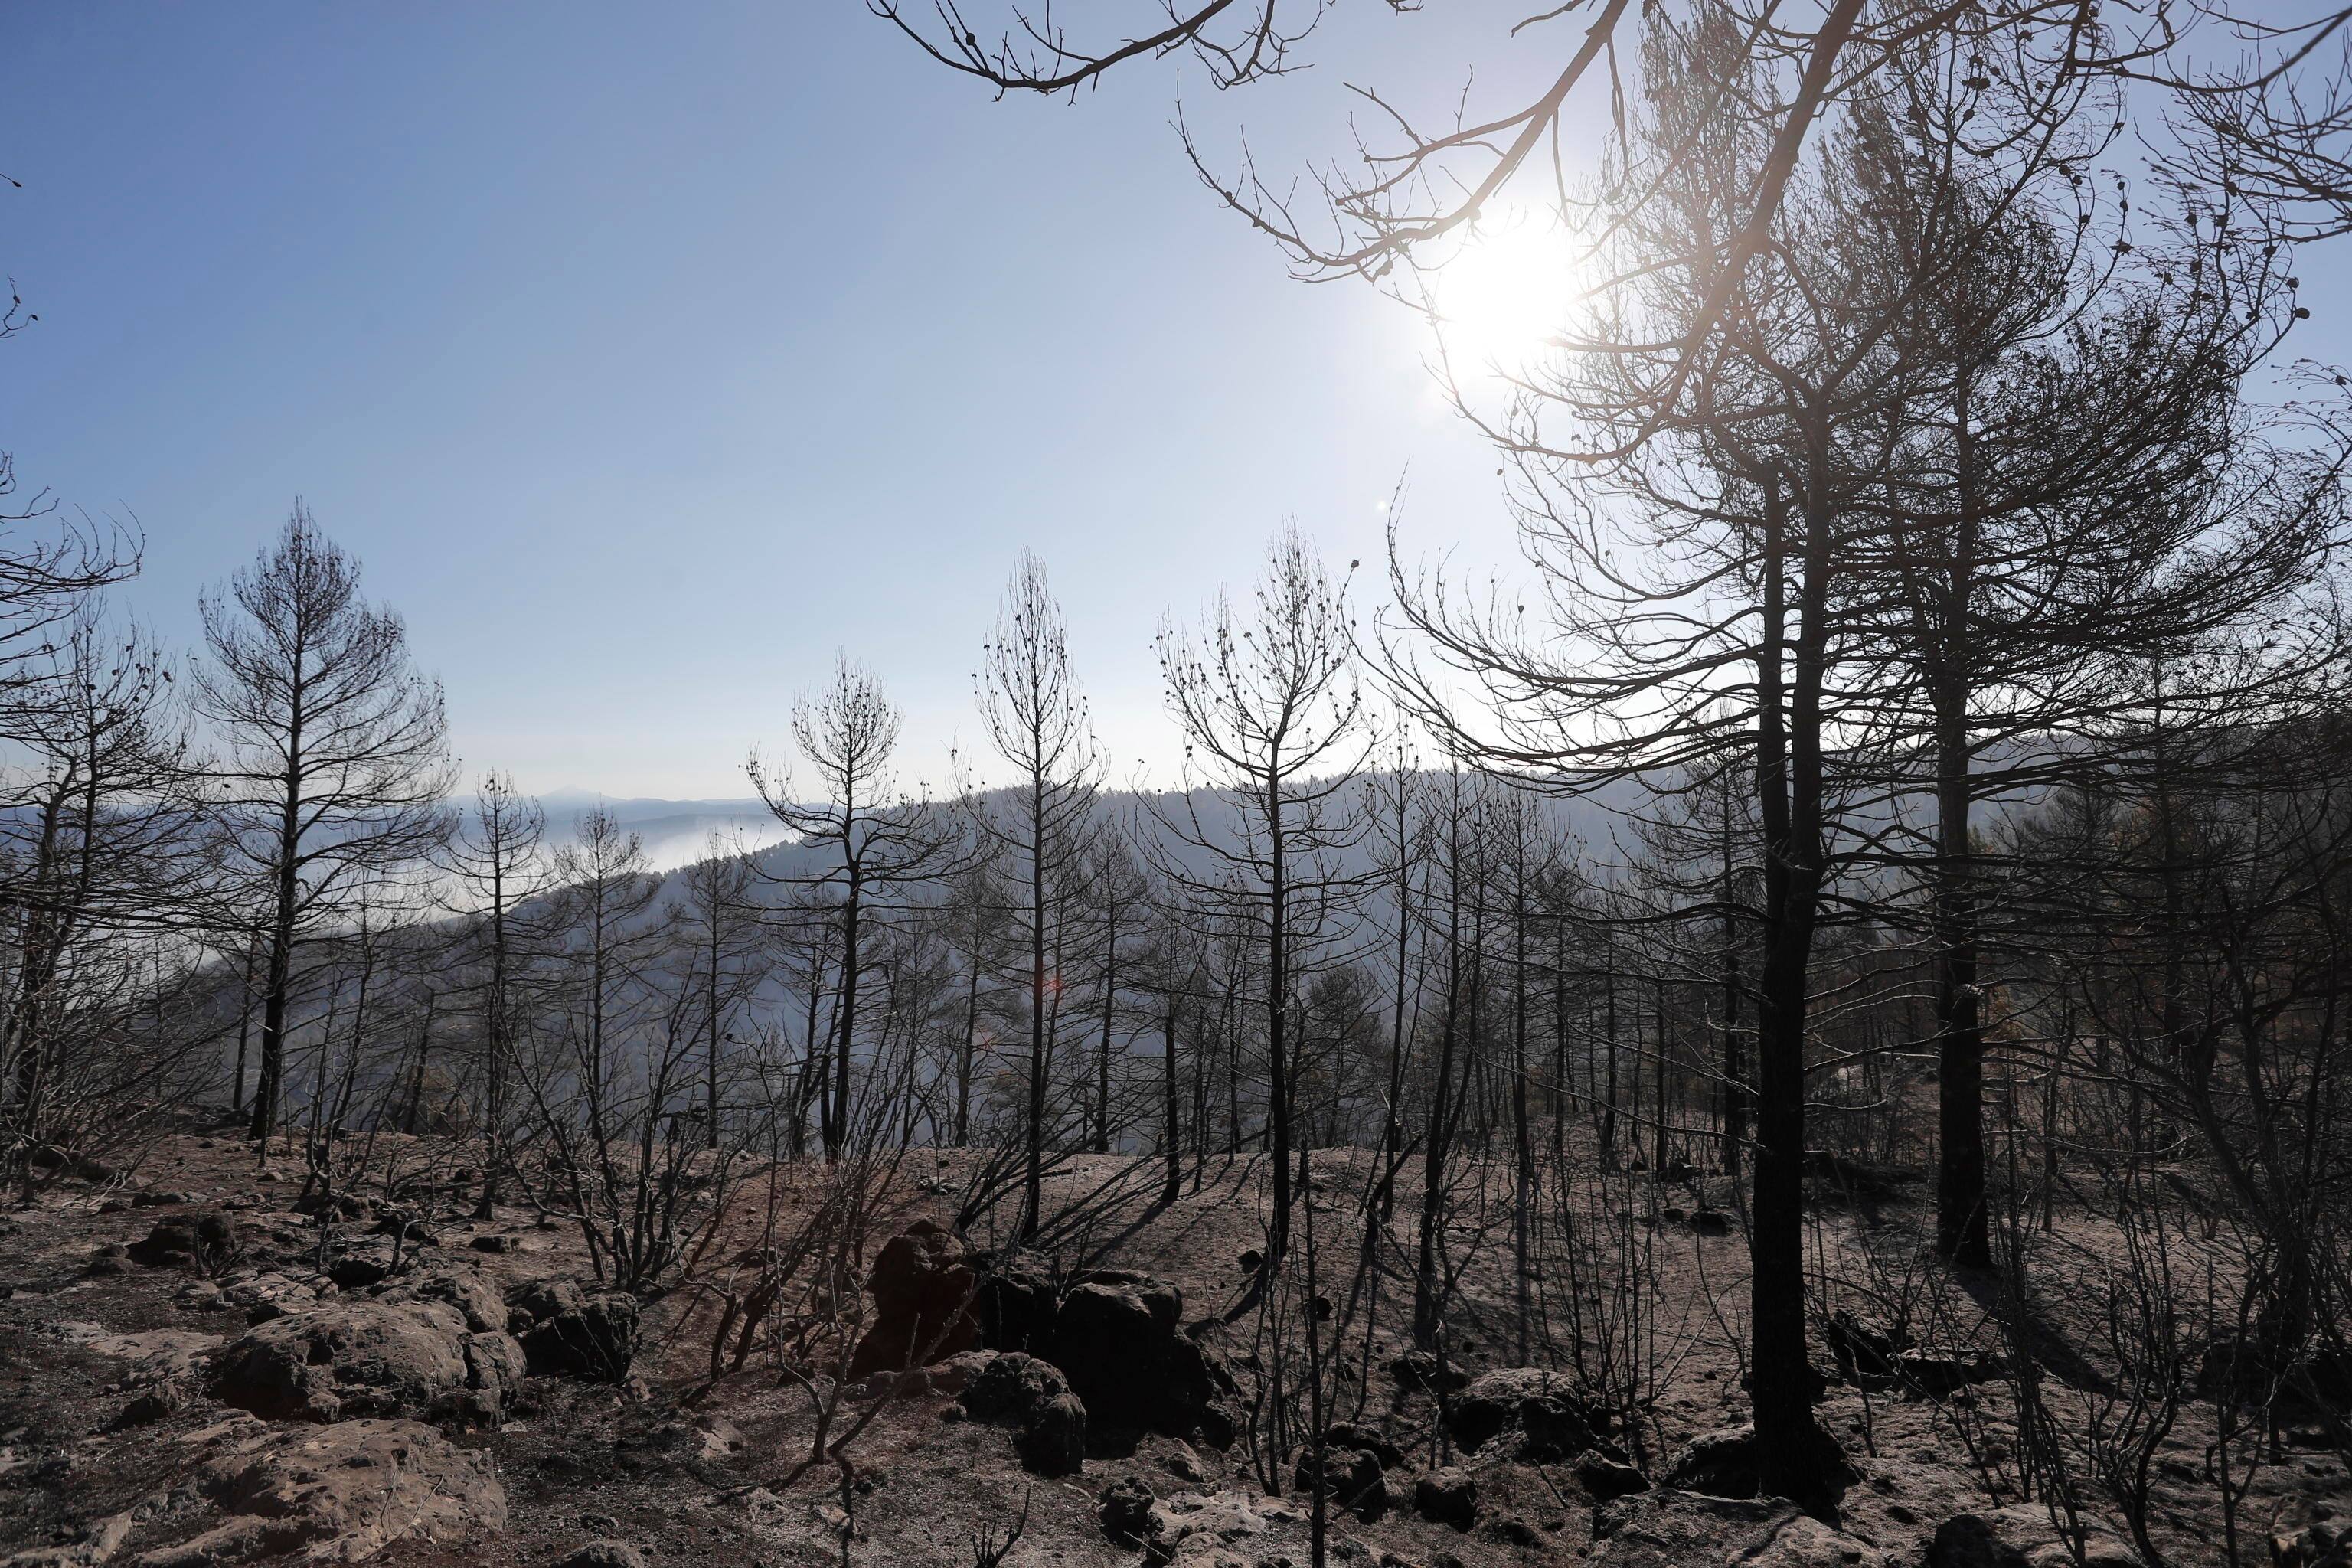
603 1554
457 1282
1940 1371
950 1378
1720 1464
159 1400
1511 1531
1546 1412
1966 1540
1124 1509
1356 1435
336 1205
349 1358
1017 1302
1606 1479
199 1296
1118 1338
1183 1463
1351 1478
1054 1442
211 1241
402 1226
1447 1497
567 1330
1421 1372
2314 1546
1197 1528
359 1270
340 1493
1675 1529
2024 1529
923 1290
1033 1397
1864 1351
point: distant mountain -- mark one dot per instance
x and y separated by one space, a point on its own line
676 832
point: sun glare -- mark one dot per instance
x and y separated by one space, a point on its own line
1509 289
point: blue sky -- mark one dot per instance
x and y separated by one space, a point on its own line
649 355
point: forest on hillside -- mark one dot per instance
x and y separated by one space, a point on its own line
1900 818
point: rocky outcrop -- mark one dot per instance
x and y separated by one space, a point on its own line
353 1358
2314 1546
1351 1478
1544 1415
340 1493
1124 1510
1120 1339
1968 1540
566 1328
1722 1463
209 1241
922 1288
1606 1476
1031 1398
1448 1496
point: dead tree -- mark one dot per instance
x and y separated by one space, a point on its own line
335 754
1271 715
1043 825
868 844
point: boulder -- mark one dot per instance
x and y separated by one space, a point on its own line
1357 1435
210 1241
1448 1496
1351 1478
1968 1540
565 1329
1196 1529
156 1402
922 1289
1669 1529
1120 1339
349 1358
456 1282
1033 1397
1124 1509
1721 1463
1052 1442
2023 1533
1606 1478
1017 1302
340 1493
1864 1351
1545 1414
2314 1546
1423 1372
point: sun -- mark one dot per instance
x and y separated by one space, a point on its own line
1509 289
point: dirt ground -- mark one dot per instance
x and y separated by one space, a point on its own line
683 1471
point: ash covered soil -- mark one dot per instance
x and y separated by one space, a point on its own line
193 1372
